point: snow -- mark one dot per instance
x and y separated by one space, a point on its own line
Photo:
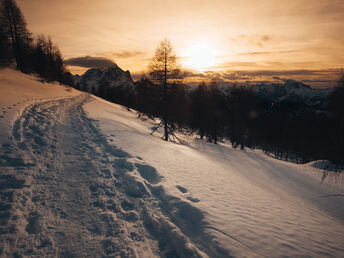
19 90
83 177
253 204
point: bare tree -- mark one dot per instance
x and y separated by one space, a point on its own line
164 68
14 25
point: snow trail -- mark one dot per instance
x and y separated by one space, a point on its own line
66 192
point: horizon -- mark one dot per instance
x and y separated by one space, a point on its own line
232 41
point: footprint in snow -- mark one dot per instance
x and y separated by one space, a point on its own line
182 189
190 198
149 173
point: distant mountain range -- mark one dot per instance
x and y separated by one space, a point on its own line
293 91
290 90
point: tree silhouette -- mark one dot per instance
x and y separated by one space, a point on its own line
164 68
47 60
199 101
4 47
14 26
335 107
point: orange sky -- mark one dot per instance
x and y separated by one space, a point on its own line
245 35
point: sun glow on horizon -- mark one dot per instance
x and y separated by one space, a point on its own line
200 56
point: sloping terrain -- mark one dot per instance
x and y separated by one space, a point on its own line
251 204
81 177
65 191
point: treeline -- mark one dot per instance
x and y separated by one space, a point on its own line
289 131
31 54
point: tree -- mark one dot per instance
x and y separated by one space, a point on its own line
335 102
335 107
199 101
4 48
164 68
14 25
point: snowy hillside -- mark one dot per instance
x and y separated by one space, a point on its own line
110 77
81 177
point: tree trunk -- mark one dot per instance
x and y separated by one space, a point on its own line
165 99
165 130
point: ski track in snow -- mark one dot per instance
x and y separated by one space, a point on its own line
65 192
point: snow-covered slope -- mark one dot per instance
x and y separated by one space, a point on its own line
293 91
81 177
110 77
250 204
18 90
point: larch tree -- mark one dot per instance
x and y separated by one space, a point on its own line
14 25
4 48
164 68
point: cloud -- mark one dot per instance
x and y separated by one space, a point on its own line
316 78
267 53
265 38
255 39
90 62
127 54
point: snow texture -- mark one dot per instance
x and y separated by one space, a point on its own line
81 177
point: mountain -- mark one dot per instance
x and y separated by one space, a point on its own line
111 77
96 80
293 91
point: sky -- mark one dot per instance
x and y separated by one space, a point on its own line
236 40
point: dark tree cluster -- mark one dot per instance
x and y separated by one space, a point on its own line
289 131
121 95
31 55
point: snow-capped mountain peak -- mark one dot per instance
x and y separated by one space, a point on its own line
111 77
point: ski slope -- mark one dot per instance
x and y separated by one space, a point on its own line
81 177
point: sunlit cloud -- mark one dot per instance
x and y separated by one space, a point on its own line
267 52
271 35
255 39
127 54
315 78
89 62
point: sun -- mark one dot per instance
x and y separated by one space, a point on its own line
199 56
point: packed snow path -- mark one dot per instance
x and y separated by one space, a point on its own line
66 192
